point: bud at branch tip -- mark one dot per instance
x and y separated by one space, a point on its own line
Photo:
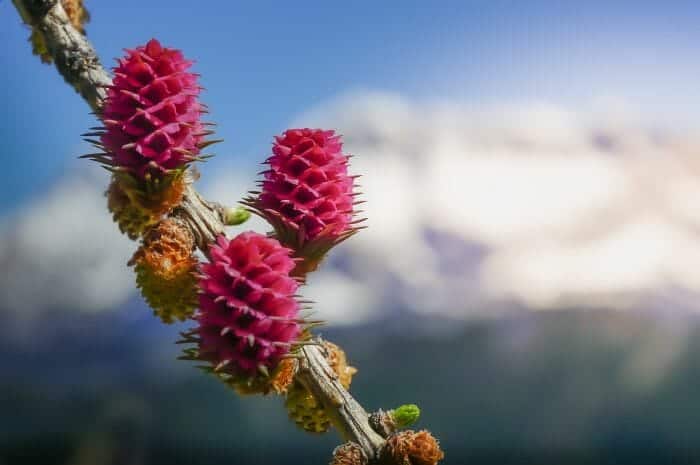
233 216
405 415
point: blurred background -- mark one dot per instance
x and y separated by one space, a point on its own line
529 276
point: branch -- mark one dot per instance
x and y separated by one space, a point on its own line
74 56
77 62
347 415
204 219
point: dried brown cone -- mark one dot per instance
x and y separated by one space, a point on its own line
305 411
158 197
165 271
284 374
339 363
132 220
349 453
77 14
136 208
411 448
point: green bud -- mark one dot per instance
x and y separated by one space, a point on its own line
405 415
235 215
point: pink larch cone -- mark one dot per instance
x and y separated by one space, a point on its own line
307 194
248 309
151 115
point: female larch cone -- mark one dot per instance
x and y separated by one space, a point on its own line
151 115
307 194
248 310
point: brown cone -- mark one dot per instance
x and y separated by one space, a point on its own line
305 410
411 448
165 270
284 375
132 220
167 249
349 453
77 14
339 363
137 208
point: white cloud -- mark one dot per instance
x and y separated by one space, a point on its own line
342 300
63 251
469 210
540 206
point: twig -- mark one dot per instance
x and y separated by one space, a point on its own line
79 65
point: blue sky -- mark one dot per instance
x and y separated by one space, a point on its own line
263 63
